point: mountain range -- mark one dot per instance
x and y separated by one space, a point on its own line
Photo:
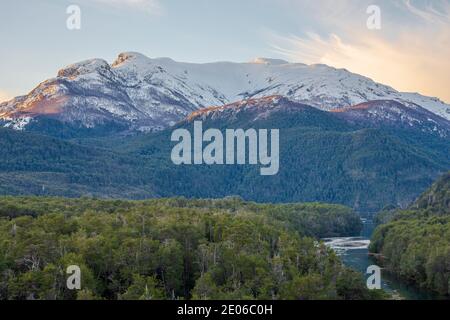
139 93
103 130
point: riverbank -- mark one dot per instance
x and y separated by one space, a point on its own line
355 254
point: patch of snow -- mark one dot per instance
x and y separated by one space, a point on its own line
18 124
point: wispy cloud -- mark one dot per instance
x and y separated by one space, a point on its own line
435 11
411 57
149 6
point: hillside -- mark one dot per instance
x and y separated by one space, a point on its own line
415 244
437 198
322 158
41 165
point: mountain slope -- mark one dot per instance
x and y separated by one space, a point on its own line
147 94
415 244
36 164
392 114
437 198
323 157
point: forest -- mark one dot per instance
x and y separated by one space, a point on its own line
174 249
414 244
321 158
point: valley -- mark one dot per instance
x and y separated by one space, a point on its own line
414 243
354 252
95 171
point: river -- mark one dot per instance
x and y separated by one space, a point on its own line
355 254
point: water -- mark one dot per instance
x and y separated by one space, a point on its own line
355 254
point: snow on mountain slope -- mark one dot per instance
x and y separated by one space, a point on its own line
396 114
149 93
259 108
431 104
377 113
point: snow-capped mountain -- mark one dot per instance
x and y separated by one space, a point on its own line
146 94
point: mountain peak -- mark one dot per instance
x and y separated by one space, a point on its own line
260 107
269 61
83 67
129 57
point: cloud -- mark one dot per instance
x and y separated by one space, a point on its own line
149 6
436 11
409 57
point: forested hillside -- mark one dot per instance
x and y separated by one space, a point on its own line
322 158
415 243
174 249
41 165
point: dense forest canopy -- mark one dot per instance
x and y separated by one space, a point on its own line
174 249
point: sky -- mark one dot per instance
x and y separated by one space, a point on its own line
409 51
